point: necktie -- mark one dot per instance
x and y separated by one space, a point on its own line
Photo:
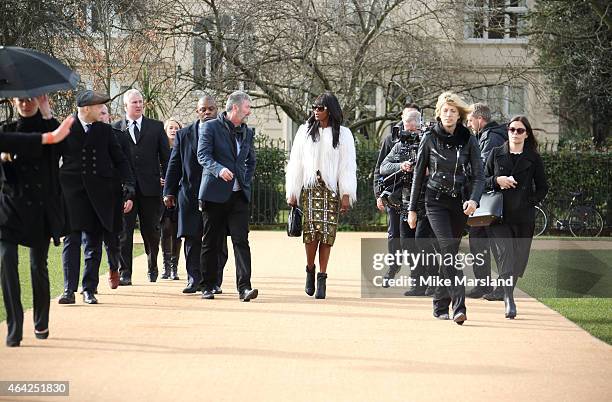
87 127
136 132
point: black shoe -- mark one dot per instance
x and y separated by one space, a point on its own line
208 294
321 285
67 298
13 344
430 290
248 295
123 281
174 275
478 291
41 334
459 318
509 304
94 292
191 288
390 275
165 275
441 316
89 298
310 280
496 295
217 290
152 275
415 292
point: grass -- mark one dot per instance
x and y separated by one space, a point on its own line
576 284
56 275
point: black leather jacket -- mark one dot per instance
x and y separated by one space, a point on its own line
447 157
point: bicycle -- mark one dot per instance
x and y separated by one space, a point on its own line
582 219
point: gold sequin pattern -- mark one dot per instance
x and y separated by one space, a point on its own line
320 206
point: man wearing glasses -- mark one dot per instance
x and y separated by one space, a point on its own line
183 182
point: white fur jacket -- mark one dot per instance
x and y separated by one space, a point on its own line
338 166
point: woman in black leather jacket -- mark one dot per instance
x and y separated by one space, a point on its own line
516 169
446 151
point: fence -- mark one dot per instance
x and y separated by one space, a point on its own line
568 169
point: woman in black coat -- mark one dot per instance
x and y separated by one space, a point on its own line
448 151
517 170
31 214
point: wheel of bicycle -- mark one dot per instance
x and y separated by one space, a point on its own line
541 221
585 221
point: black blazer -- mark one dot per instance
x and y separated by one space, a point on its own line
149 155
216 151
529 173
87 176
31 207
183 180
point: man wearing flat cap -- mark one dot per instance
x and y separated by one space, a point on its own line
90 155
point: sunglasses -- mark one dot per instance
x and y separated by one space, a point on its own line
210 109
519 130
319 108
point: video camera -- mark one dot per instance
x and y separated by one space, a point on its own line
395 188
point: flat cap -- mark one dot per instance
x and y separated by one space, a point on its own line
89 97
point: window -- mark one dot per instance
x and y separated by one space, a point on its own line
504 101
494 19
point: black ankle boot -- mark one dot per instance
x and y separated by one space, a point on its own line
509 302
167 265
321 285
174 269
310 280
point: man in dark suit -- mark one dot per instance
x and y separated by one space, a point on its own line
149 150
227 155
90 155
183 178
490 135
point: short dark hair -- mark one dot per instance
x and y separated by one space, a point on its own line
412 105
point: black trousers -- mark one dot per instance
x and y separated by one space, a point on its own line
112 244
512 244
400 236
193 250
217 219
170 244
480 243
447 222
71 260
11 290
148 210
426 244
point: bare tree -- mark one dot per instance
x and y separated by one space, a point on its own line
286 52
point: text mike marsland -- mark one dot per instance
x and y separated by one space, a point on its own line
434 281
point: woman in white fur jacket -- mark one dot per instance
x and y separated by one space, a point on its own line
322 178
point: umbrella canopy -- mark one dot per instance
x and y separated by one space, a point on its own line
26 73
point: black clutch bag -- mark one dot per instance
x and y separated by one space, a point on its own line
294 222
491 210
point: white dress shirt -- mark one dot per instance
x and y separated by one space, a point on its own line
131 127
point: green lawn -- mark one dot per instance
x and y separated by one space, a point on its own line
56 276
575 283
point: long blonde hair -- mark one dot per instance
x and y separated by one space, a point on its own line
454 100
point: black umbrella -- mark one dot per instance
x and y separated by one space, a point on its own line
26 73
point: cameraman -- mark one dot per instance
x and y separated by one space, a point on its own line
393 228
400 161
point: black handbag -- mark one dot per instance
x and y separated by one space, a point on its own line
294 222
490 210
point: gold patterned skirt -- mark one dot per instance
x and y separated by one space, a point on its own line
320 207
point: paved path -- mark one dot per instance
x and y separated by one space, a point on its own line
149 342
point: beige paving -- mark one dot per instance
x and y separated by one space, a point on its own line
149 342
